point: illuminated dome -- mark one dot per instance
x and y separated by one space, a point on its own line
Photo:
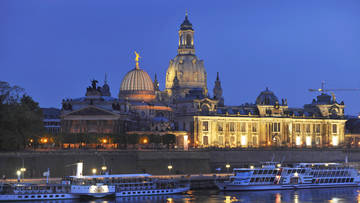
189 70
137 85
267 97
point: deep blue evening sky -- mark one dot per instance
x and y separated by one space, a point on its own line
53 48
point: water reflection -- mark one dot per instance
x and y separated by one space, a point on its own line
331 195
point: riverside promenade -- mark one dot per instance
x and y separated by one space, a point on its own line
201 161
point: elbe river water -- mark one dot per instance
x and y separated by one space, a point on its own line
331 195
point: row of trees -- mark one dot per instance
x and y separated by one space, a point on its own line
20 118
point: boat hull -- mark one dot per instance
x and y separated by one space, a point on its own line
152 192
31 197
230 187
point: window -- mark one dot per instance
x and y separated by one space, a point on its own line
242 127
308 141
276 127
254 127
307 128
243 140
221 140
255 140
205 140
220 126
334 129
317 140
205 126
335 140
316 128
232 140
298 140
232 127
297 127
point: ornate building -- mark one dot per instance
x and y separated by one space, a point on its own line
185 106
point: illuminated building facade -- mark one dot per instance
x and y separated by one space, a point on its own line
185 105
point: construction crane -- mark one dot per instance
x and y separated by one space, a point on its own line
323 90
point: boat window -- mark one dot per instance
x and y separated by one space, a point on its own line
266 171
32 196
303 171
26 196
251 180
257 179
260 171
331 180
19 196
352 180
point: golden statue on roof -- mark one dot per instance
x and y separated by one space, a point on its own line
137 60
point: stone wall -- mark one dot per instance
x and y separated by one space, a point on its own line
62 163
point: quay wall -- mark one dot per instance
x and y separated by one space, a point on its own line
61 163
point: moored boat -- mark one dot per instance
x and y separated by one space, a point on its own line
273 176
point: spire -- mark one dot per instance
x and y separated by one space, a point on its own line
105 80
218 90
186 25
156 83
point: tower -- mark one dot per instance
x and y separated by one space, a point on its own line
218 91
186 37
189 68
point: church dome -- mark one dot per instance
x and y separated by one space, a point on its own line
267 97
190 72
137 85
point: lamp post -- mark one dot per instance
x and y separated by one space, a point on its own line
227 167
94 171
103 169
22 170
170 167
18 173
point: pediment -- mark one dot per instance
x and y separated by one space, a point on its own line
90 111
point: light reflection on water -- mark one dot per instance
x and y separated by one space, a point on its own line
331 195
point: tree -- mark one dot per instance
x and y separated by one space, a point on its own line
21 118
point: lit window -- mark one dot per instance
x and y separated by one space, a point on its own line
316 128
335 141
298 140
243 140
308 141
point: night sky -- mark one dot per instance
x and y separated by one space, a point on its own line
54 48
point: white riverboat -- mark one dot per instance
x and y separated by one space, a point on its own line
273 176
124 185
26 191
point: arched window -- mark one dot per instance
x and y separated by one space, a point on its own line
188 40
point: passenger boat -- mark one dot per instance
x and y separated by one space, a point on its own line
26 191
272 176
123 185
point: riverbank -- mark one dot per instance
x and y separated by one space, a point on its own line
61 163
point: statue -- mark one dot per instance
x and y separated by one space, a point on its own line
93 84
137 60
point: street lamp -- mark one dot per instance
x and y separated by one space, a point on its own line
103 168
18 173
94 171
227 167
170 168
22 170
